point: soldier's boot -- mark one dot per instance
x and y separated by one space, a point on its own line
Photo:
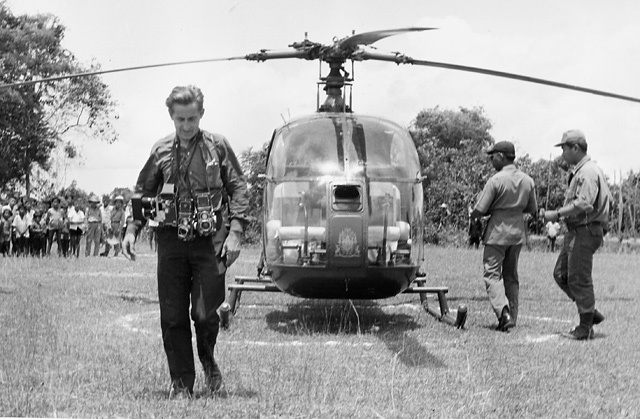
584 331
598 317
506 322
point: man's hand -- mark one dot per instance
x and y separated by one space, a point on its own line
129 246
551 216
231 248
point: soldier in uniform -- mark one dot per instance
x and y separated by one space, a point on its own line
586 214
197 166
506 197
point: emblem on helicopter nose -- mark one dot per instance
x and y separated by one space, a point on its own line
347 246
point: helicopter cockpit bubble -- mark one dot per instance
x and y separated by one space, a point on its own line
334 177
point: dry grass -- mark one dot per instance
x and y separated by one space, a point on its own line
80 338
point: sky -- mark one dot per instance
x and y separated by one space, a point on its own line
588 43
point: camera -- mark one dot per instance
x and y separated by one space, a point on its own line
161 208
205 217
191 217
185 220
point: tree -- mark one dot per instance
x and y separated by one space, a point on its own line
35 117
451 147
253 165
626 204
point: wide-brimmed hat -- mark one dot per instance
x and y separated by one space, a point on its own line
94 198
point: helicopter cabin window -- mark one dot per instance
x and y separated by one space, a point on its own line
296 230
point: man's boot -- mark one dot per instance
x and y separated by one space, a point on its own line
213 375
598 317
506 322
179 390
584 331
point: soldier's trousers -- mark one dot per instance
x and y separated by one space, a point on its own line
501 277
575 263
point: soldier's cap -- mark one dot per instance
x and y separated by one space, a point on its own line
94 198
505 147
572 137
119 198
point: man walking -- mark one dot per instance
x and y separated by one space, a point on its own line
586 214
197 239
506 197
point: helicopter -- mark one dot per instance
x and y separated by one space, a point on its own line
342 216
343 199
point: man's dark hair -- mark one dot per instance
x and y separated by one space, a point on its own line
185 95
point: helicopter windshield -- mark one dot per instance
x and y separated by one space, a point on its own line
335 144
333 166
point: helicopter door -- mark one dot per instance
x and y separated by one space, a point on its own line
346 247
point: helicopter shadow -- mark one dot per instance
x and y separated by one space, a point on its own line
345 317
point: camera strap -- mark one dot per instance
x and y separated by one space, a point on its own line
184 177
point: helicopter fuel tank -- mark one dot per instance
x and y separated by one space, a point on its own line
343 207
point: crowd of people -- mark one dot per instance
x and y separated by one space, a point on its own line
29 227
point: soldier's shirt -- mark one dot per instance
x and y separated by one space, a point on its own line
588 188
506 196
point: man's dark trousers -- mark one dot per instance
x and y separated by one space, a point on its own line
189 271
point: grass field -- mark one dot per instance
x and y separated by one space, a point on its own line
81 338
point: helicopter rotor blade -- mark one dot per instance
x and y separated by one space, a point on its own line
368 38
265 55
403 59
116 70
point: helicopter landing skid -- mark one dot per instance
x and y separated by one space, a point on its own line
248 283
444 315
264 284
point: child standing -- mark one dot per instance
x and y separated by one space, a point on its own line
37 236
94 226
76 224
65 238
114 229
20 232
5 232
54 224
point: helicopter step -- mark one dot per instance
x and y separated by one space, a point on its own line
264 284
